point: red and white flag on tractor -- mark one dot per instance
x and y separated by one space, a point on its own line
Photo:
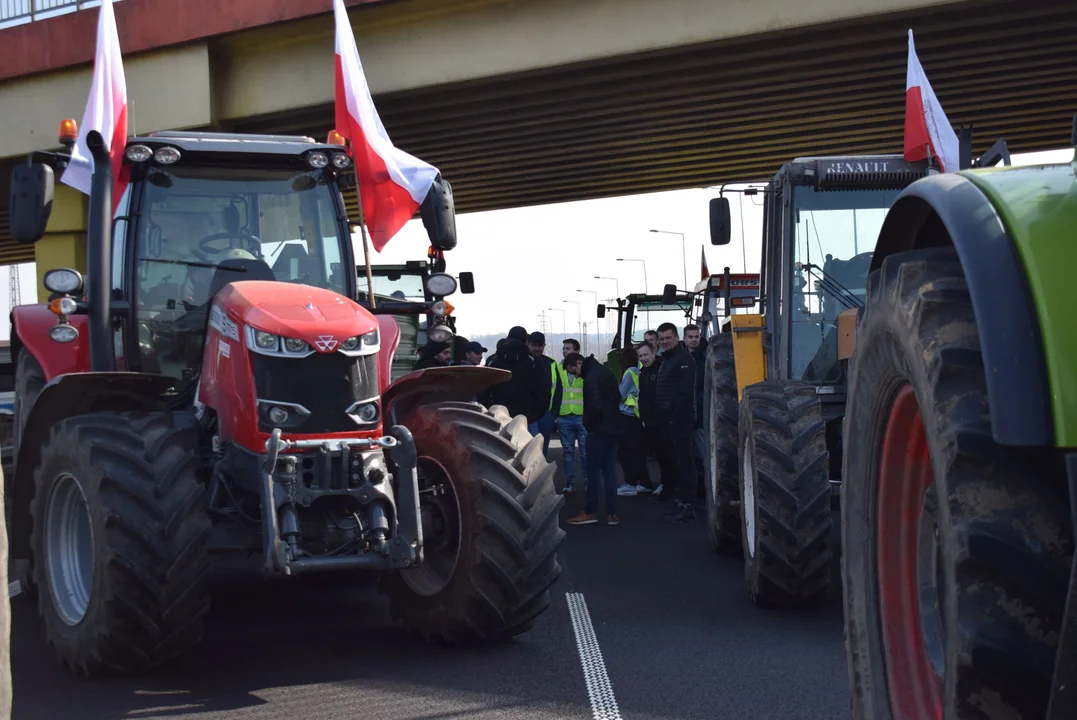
926 126
106 111
392 183
706 272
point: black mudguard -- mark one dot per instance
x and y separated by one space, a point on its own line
949 209
63 397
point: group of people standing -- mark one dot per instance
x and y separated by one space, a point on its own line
654 409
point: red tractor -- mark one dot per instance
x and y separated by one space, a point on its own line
213 389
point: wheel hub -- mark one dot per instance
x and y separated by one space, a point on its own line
69 549
908 567
440 513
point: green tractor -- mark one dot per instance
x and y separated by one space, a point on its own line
959 498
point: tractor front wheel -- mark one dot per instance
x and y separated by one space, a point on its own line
785 494
491 527
119 541
957 550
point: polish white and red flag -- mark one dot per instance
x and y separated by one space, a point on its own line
392 183
704 269
106 111
926 128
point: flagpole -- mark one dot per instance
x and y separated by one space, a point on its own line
366 248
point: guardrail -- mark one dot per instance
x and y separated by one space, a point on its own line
18 12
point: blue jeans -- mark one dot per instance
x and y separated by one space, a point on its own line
570 429
543 426
601 469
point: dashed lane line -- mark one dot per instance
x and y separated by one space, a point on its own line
603 703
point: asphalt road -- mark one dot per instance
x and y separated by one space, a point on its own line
676 637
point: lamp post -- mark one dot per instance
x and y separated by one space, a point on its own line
598 327
563 331
684 257
616 283
646 289
579 322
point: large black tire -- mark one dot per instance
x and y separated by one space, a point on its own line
145 505
509 531
1002 544
785 494
720 420
29 382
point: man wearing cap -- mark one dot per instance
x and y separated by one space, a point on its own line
536 343
526 392
473 353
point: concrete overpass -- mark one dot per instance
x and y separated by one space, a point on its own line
524 102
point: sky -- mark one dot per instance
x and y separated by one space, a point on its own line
529 260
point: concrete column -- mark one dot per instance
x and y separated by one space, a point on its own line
64 244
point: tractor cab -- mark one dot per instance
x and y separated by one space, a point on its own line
639 313
821 218
720 296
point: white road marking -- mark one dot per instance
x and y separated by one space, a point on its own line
14 588
603 703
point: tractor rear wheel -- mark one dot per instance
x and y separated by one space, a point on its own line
491 528
957 550
720 427
785 493
119 529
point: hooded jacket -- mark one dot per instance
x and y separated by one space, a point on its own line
526 393
601 399
676 391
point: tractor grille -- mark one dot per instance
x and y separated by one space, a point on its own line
325 384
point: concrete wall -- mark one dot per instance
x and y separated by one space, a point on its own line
404 45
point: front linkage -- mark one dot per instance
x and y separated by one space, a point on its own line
390 541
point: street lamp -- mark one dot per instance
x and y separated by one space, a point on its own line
615 283
684 257
579 321
645 288
598 328
564 333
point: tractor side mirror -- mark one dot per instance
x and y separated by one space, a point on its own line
706 318
720 223
600 312
467 283
439 215
669 294
32 188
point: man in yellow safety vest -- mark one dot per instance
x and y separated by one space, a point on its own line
570 420
536 343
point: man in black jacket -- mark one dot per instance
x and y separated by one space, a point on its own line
524 394
601 418
676 399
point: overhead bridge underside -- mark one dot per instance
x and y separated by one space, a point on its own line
735 110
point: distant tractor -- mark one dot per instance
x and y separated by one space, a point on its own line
213 387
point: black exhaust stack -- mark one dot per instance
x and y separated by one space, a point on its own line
98 260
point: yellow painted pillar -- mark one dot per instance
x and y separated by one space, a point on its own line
64 243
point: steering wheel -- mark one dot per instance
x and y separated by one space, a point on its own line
205 250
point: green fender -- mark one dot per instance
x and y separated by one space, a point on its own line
1038 206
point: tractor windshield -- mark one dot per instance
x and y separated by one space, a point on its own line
193 218
835 234
398 282
648 316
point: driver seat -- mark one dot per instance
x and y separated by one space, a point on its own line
236 270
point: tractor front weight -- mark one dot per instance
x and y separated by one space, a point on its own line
353 474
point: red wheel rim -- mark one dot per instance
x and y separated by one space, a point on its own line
906 544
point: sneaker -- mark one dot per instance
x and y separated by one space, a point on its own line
626 490
568 488
642 489
613 520
584 518
683 512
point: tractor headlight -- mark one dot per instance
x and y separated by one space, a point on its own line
295 345
317 159
439 333
264 340
350 344
364 413
63 333
371 338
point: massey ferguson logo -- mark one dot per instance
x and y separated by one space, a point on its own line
325 343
